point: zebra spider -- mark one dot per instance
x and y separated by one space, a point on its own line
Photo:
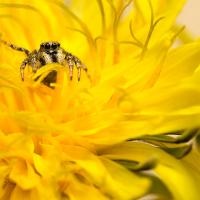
49 52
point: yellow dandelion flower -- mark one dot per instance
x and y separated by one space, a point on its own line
126 129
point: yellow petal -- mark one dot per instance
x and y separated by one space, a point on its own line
171 171
123 184
24 175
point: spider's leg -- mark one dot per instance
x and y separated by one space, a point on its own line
79 66
79 72
70 71
73 60
27 52
70 62
23 66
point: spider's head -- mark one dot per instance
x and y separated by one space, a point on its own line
49 46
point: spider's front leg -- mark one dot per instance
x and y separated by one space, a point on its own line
73 60
27 52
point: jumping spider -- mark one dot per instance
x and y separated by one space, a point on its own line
49 52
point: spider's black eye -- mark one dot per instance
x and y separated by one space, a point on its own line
47 46
54 46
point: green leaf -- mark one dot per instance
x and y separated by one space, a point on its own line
198 141
136 166
158 188
178 152
176 137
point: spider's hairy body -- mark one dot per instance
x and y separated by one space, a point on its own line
51 55
49 52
